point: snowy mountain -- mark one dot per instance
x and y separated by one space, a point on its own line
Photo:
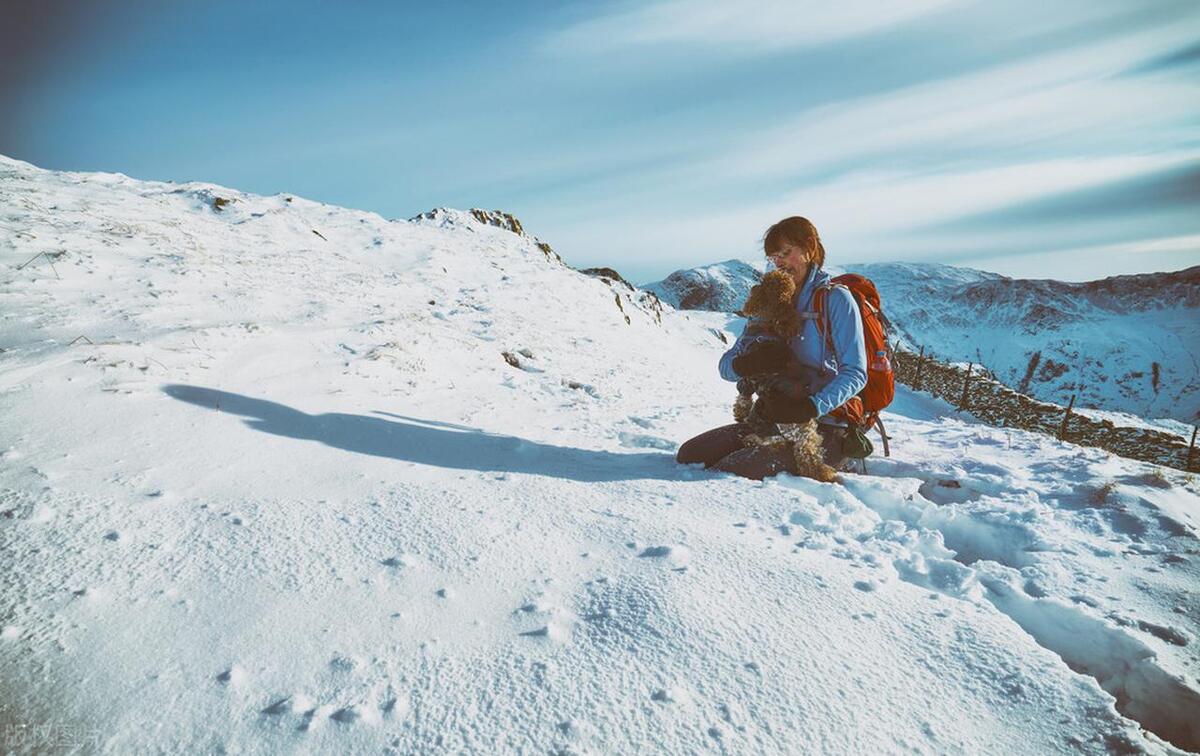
1125 343
720 287
281 476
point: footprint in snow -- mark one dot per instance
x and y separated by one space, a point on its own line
655 552
676 556
282 706
670 694
554 630
343 663
355 713
235 675
567 728
401 562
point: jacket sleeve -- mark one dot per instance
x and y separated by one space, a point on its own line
850 352
749 336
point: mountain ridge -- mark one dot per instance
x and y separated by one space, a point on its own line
1120 343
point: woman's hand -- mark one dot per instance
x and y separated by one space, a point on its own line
762 357
786 400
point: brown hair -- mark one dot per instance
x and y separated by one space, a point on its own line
799 232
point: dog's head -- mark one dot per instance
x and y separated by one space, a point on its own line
770 302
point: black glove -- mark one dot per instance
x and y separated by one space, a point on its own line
762 357
785 400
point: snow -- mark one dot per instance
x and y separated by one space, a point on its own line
721 287
289 495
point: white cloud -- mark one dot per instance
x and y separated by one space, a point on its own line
871 169
764 25
861 216
1066 102
1082 263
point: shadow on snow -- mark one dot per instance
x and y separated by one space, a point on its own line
434 443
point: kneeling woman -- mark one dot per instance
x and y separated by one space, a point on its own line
819 374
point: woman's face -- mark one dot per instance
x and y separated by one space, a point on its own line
793 260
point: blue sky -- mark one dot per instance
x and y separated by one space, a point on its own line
1037 139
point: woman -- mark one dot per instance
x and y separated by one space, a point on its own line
819 375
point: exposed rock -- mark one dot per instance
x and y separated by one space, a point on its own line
607 275
993 402
500 219
446 216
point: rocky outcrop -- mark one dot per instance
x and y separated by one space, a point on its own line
498 218
627 297
608 275
647 301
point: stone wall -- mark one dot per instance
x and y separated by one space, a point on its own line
993 402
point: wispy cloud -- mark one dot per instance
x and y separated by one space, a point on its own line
1168 191
760 26
871 215
878 172
1085 263
1064 102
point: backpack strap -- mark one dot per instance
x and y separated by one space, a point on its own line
822 318
887 452
852 411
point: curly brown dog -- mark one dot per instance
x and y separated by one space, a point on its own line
772 312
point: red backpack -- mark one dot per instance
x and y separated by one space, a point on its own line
863 410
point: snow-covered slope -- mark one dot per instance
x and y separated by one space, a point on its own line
317 481
720 287
1124 344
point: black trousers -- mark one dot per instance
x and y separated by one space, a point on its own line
723 449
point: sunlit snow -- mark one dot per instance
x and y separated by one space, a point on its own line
269 483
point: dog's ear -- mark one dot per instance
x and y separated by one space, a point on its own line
753 302
785 293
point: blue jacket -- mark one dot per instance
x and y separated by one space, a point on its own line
832 378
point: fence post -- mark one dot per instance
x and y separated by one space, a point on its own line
1191 449
920 364
962 403
1062 429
